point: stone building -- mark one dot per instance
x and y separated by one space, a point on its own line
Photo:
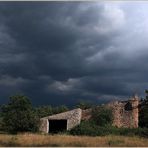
62 121
125 114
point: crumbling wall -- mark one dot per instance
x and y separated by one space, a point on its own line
125 113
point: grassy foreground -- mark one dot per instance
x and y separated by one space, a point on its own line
67 140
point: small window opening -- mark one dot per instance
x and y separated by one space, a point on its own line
128 106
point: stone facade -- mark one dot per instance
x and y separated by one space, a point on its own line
125 114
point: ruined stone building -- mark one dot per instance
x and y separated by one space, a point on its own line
125 114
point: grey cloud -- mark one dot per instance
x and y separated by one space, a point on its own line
68 51
10 81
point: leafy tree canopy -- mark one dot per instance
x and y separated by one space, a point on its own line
43 111
18 115
84 105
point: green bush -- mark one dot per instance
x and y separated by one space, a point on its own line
143 132
85 128
143 116
90 129
99 125
102 116
18 115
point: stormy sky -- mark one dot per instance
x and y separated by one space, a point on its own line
66 52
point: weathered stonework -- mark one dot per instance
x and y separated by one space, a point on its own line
44 125
125 114
86 114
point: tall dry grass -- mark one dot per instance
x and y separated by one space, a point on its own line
35 140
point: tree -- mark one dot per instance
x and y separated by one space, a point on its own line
60 109
48 110
84 105
43 111
102 116
143 114
19 116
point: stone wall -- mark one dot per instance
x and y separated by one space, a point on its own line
74 119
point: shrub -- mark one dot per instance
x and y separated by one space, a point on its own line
85 128
102 116
143 132
90 129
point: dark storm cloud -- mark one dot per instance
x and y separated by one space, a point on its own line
63 52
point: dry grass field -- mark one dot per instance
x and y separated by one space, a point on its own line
71 141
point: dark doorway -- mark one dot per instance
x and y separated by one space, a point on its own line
56 126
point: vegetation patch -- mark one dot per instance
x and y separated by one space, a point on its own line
35 140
